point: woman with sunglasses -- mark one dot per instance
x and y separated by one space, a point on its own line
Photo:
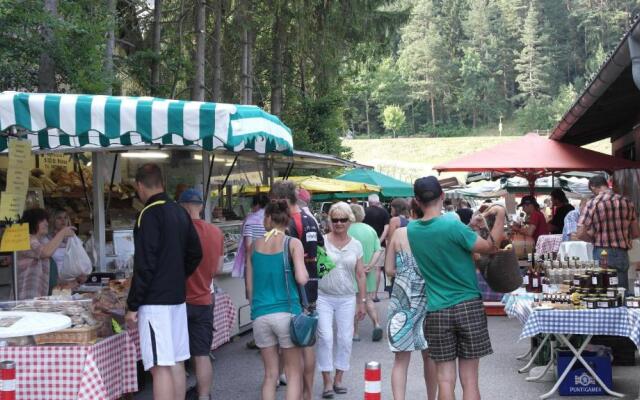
337 298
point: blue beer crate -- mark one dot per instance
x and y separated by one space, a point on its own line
579 381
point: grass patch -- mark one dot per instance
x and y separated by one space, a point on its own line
410 158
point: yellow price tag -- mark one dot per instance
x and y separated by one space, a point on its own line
15 238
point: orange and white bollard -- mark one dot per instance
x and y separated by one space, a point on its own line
7 380
372 381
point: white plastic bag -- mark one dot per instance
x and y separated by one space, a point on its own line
76 260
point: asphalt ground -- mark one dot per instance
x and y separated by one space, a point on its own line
238 370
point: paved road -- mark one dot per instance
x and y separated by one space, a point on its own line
238 371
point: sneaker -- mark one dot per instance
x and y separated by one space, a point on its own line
376 299
282 380
251 344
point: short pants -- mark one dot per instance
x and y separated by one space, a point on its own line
459 331
273 329
164 338
200 320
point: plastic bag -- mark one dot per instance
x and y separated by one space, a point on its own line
76 260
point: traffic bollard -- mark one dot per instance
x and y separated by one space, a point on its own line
7 380
372 378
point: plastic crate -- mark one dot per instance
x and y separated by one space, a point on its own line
579 381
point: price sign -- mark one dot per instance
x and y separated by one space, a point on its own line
15 238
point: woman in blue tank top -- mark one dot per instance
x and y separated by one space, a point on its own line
271 305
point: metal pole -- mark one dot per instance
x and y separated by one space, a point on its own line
99 226
15 275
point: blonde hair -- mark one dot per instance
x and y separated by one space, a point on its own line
358 212
342 209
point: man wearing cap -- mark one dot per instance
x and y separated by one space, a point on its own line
610 222
167 251
199 299
537 225
456 323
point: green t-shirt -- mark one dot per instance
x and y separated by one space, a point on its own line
368 237
442 248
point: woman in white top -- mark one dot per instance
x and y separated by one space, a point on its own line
336 298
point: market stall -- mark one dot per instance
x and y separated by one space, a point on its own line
87 149
557 320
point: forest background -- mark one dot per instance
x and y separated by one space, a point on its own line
328 68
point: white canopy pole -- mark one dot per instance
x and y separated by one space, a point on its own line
99 225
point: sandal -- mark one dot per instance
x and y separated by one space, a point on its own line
377 334
339 389
327 394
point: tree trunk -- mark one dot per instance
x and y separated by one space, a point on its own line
433 110
246 80
110 45
197 91
413 118
217 54
47 69
475 118
157 31
277 61
366 114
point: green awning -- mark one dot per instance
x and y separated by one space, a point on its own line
69 121
389 187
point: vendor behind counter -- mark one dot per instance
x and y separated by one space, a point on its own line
34 265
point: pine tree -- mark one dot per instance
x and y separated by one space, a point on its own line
533 64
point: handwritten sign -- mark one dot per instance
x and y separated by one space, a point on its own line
15 238
49 162
13 199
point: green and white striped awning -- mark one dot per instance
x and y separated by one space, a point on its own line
70 121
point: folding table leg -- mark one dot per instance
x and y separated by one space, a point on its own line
577 356
551 362
527 354
529 365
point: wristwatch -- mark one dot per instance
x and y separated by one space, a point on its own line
364 300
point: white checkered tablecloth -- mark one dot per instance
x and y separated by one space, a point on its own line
619 321
548 244
103 371
224 316
518 305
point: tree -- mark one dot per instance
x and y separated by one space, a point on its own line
47 70
393 118
198 88
533 64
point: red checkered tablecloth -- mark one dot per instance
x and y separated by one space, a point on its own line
224 316
103 371
548 244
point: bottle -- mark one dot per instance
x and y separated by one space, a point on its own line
604 259
535 280
544 282
636 288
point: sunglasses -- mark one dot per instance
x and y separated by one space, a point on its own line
341 220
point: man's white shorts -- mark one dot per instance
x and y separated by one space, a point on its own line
164 336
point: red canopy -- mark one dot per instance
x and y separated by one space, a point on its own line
532 155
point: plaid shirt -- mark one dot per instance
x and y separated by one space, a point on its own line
607 218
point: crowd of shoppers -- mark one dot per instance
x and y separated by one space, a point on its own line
435 305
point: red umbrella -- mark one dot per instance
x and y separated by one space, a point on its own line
533 156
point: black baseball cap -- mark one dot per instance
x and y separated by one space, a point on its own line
526 200
427 189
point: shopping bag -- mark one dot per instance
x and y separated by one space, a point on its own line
76 260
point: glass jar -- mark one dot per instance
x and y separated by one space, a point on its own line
611 278
603 302
592 303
